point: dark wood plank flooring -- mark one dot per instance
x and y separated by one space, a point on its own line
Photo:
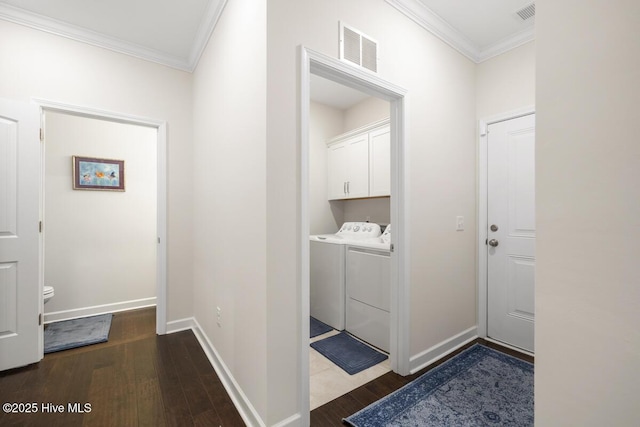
332 413
140 379
135 379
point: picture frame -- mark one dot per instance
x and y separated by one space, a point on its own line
91 173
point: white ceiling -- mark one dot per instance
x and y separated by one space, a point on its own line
334 94
169 32
174 33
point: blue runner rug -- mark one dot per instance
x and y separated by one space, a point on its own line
478 387
348 353
74 333
317 327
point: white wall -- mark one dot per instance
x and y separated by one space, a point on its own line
588 213
38 64
441 137
376 209
324 123
370 110
229 174
100 246
506 82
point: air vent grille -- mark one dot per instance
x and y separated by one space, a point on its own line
527 12
351 45
358 48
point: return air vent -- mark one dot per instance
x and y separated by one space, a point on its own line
527 12
358 48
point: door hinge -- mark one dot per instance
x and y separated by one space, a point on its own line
40 226
391 247
40 319
41 135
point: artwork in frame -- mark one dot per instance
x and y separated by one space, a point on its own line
90 173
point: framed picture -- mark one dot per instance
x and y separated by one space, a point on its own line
90 173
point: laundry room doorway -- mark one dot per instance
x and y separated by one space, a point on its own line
375 204
104 235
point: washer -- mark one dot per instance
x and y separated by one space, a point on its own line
327 271
368 290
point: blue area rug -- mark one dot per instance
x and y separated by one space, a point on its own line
316 327
478 387
74 333
348 353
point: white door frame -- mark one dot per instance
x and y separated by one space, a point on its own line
161 253
312 62
482 213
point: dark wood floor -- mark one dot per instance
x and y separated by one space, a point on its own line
135 379
140 379
332 413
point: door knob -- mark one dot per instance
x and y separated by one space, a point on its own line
494 227
493 242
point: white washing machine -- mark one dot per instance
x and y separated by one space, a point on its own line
327 271
368 286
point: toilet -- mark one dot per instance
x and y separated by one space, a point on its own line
48 293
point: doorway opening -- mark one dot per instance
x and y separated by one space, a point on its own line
122 231
319 65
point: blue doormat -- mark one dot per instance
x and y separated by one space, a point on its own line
316 327
74 333
478 387
348 353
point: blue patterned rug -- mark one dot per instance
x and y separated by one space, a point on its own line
317 327
478 387
74 333
348 353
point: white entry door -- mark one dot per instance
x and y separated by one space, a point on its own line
20 290
511 233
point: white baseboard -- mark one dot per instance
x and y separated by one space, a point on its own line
292 421
180 325
438 351
75 313
248 413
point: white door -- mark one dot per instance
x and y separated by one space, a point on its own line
20 290
511 233
336 171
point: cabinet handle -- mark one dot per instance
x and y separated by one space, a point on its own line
348 185
344 187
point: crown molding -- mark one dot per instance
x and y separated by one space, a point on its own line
430 21
207 25
52 26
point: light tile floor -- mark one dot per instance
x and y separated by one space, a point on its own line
328 381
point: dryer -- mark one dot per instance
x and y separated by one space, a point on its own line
368 290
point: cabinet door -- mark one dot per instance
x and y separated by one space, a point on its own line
336 171
380 162
357 171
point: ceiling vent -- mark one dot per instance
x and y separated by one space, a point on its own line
358 48
527 12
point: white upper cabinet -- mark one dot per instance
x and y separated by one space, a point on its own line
380 162
359 163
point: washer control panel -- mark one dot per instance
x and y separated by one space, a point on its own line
359 230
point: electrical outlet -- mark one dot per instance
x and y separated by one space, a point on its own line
219 316
459 223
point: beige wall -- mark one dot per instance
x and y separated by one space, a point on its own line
588 213
38 64
100 246
368 111
324 123
441 138
229 264
506 82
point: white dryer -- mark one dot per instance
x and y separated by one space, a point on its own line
327 271
368 286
